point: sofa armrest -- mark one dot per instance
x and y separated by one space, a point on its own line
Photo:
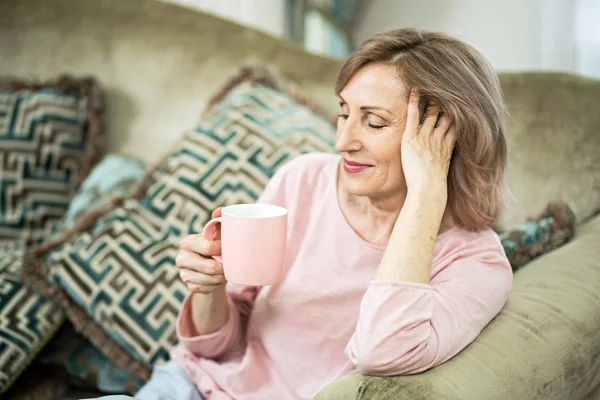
544 344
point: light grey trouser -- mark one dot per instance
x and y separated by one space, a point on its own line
168 382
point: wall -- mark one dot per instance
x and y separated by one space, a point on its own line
507 32
265 15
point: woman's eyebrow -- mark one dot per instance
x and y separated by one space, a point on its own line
367 108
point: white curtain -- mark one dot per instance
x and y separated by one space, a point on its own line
265 15
570 36
587 37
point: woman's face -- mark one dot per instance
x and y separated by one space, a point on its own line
372 120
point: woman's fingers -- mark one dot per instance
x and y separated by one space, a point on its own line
450 137
412 114
190 277
441 129
204 289
196 262
430 119
217 212
201 245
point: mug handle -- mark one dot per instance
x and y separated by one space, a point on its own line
208 232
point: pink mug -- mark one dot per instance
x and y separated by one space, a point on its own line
253 243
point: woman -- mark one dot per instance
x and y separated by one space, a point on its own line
392 266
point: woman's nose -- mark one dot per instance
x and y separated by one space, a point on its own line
347 137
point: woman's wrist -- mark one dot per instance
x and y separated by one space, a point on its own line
210 311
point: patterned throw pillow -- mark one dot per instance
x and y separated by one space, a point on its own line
49 135
117 280
86 367
27 320
551 229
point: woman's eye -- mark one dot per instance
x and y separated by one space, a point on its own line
344 116
375 126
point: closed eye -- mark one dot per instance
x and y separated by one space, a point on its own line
375 126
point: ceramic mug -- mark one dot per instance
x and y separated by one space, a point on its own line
253 243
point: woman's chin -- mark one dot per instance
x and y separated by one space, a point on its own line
357 187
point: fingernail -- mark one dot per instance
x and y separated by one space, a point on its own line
414 91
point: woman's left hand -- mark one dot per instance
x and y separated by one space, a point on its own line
426 148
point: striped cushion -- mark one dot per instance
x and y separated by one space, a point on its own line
118 279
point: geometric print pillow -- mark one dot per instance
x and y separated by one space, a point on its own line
49 135
551 229
27 320
117 278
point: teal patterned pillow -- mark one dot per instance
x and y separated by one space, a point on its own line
551 229
117 280
114 177
49 135
27 320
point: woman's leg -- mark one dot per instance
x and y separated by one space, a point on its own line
168 382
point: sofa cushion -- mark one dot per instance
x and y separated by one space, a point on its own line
117 279
27 320
543 345
49 138
114 177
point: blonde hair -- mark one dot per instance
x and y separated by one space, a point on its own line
457 78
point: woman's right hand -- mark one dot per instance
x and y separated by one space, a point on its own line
197 269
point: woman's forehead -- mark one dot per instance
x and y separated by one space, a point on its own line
376 84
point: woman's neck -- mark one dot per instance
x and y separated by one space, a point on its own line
373 217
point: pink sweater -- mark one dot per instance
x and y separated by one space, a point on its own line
329 317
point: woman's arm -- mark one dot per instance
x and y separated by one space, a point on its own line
224 338
408 255
407 327
426 151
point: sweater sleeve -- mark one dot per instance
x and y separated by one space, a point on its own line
231 337
406 328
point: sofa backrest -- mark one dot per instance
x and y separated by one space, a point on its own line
160 63
553 136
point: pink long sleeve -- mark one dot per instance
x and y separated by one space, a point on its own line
405 328
227 341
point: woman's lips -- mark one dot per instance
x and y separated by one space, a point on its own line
354 167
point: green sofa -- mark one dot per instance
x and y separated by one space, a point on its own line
160 63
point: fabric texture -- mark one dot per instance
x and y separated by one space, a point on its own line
49 140
115 275
544 344
551 229
329 315
552 144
